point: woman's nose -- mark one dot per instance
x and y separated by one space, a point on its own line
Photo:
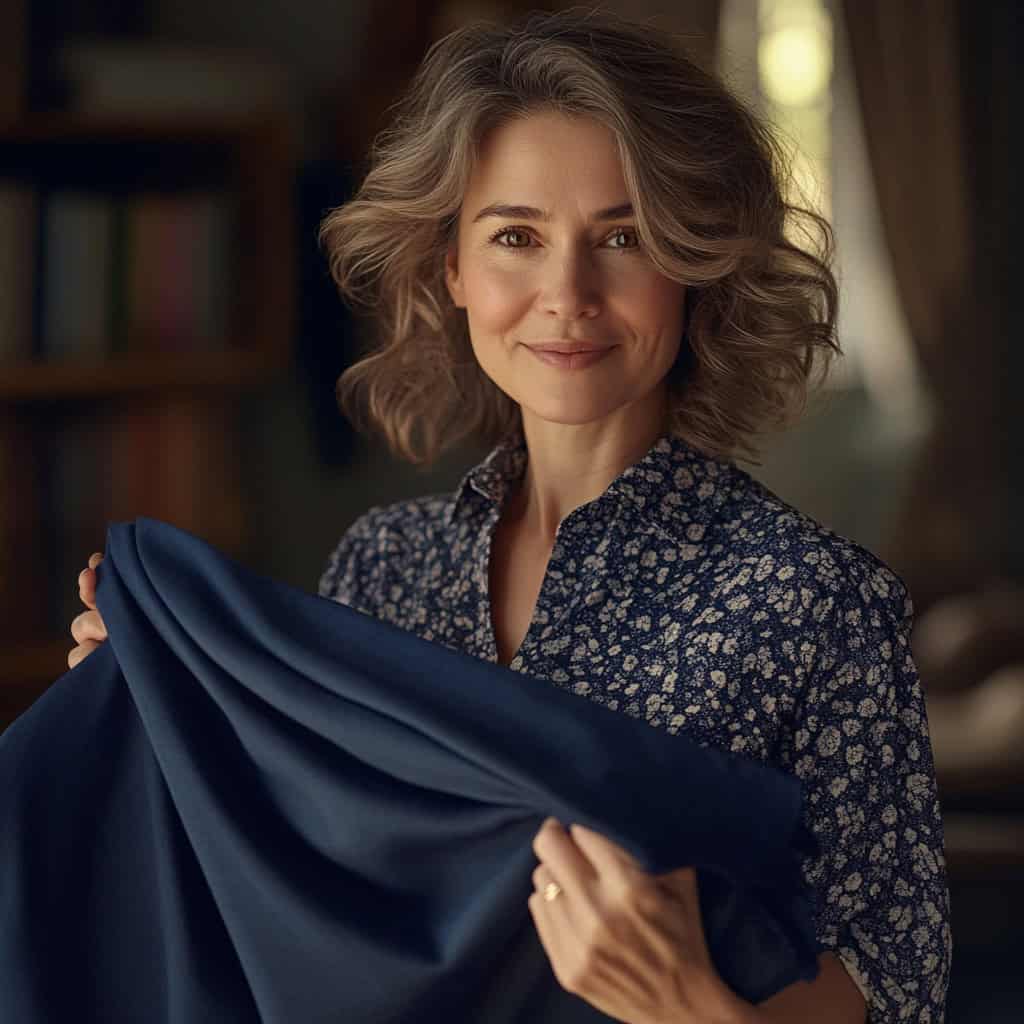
572 286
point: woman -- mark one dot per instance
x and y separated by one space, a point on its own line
578 247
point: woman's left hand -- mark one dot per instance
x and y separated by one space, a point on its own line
628 942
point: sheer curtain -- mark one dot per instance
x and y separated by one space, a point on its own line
927 149
846 461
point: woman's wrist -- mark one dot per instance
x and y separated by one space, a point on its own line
734 1010
725 1007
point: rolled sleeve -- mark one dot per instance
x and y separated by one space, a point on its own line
862 748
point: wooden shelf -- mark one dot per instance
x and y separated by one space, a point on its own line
182 391
232 369
248 158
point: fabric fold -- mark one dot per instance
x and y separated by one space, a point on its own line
256 804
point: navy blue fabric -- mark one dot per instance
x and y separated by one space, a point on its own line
256 804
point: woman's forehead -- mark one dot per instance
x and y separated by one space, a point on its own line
543 160
546 130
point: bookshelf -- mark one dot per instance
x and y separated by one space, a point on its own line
150 269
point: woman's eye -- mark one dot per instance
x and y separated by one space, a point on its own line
511 233
624 231
506 232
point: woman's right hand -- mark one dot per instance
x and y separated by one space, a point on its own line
88 628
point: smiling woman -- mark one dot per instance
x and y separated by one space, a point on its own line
507 145
576 247
557 281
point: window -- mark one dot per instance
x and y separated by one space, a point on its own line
846 461
788 59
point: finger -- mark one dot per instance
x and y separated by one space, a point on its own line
78 653
557 933
88 626
96 622
95 558
96 628
87 587
607 857
544 925
570 867
549 933
542 877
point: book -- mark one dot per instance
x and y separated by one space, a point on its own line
18 217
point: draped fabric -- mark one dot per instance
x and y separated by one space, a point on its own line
933 77
256 804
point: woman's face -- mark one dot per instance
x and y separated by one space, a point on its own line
576 275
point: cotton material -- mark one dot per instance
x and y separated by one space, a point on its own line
255 804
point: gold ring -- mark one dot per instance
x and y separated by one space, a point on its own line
551 890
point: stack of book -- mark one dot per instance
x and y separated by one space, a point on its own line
85 275
172 460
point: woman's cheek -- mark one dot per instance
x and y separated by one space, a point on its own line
502 293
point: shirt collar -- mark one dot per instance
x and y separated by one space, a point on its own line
494 476
672 472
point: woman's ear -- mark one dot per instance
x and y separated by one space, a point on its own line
452 277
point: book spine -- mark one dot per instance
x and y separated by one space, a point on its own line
17 266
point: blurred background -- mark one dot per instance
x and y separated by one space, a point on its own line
170 338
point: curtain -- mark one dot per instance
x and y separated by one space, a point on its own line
931 151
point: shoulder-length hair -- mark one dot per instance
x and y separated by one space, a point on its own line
708 182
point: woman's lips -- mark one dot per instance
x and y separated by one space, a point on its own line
571 360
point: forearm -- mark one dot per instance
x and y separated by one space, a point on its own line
718 1005
831 996
735 1010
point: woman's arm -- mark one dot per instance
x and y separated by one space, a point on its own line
862 749
832 996
632 944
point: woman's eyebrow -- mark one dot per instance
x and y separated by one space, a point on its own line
533 213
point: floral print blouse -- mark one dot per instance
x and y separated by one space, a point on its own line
690 594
